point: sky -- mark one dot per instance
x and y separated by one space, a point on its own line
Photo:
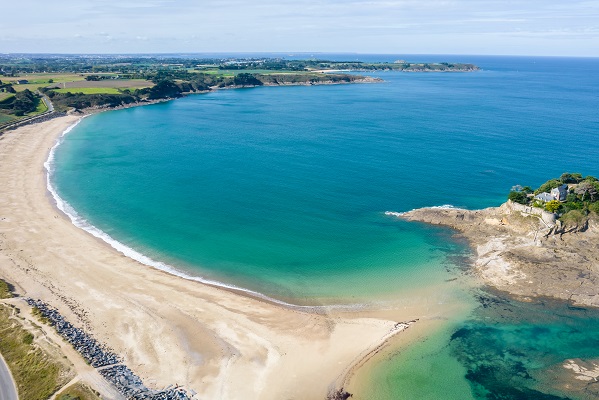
501 27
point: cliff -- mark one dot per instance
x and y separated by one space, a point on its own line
525 251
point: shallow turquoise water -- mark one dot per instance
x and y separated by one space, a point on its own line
283 190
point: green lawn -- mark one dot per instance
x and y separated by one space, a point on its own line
41 108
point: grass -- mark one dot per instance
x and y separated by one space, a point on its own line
5 292
5 118
41 79
36 375
40 109
78 391
36 311
90 90
31 86
5 96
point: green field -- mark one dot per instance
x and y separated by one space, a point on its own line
233 72
90 90
40 109
5 118
5 96
40 80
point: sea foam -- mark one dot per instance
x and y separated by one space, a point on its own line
399 214
82 223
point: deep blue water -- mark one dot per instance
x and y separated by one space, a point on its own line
283 190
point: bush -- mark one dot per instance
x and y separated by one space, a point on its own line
518 197
527 189
570 178
547 186
572 205
573 217
164 89
594 207
245 79
5 292
552 206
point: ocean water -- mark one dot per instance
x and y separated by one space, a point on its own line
283 190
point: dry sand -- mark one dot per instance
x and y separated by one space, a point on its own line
170 330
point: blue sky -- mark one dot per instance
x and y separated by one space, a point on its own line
533 27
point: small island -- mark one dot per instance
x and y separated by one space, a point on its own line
540 243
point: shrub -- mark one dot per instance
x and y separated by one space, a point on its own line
547 186
570 178
518 197
594 207
552 206
573 217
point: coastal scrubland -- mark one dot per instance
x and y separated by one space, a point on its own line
78 391
37 374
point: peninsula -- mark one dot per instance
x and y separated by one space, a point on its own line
33 85
542 243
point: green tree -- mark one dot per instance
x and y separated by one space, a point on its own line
164 89
245 79
547 186
552 206
586 190
570 178
518 197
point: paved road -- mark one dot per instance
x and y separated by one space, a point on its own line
48 104
8 390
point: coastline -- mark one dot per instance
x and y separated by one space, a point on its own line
214 341
524 251
127 251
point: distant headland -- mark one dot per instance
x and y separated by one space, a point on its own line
35 86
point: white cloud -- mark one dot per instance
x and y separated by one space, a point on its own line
423 26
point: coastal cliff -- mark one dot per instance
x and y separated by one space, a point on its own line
525 251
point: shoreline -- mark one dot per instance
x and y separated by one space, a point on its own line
525 252
81 223
210 338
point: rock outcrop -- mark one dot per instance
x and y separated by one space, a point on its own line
527 253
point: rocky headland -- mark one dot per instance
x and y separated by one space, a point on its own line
525 251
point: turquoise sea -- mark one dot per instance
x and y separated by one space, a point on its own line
283 191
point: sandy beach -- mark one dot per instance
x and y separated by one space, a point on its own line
169 330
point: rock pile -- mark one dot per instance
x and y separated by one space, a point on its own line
108 363
96 354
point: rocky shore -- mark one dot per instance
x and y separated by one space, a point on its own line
104 359
526 252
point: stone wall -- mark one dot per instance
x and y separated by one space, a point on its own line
548 218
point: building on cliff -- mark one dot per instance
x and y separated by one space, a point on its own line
559 193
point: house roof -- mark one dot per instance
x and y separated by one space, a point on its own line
561 188
544 197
